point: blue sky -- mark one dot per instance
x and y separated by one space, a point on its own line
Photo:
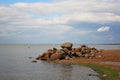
58 21
16 1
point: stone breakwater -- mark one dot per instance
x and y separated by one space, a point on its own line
68 52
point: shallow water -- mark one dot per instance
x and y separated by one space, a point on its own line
15 64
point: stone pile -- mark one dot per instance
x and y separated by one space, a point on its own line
67 52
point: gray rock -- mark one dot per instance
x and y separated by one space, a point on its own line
67 45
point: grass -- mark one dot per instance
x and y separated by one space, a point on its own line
105 73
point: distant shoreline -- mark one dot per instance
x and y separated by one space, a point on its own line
57 44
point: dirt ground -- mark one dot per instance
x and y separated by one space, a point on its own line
109 58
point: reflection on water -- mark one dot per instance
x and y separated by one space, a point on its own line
68 72
58 71
65 73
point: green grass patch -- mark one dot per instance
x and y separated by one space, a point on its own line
105 73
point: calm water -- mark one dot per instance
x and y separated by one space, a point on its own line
15 65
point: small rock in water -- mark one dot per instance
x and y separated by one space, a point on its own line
92 74
34 61
30 57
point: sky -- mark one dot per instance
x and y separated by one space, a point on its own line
58 21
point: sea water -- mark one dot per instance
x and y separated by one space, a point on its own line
15 64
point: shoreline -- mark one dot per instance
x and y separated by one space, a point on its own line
112 56
108 58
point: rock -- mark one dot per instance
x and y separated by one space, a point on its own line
87 55
99 56
88 50
57 55
94 51
93 48
83 45
67 45
77 49
73 54
54 50
93 74
30 57
79 54
34 61
67 52
45 55
83 50
92 55
38 57
67 57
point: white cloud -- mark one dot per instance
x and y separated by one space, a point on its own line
88 17
22 16
103 29
68 6
69 10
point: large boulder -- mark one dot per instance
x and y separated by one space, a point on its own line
67 45
60 54
55 56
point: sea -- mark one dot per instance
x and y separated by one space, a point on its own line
16 64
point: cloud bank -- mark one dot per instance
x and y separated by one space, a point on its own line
57 18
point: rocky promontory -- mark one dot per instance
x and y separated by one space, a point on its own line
68 52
